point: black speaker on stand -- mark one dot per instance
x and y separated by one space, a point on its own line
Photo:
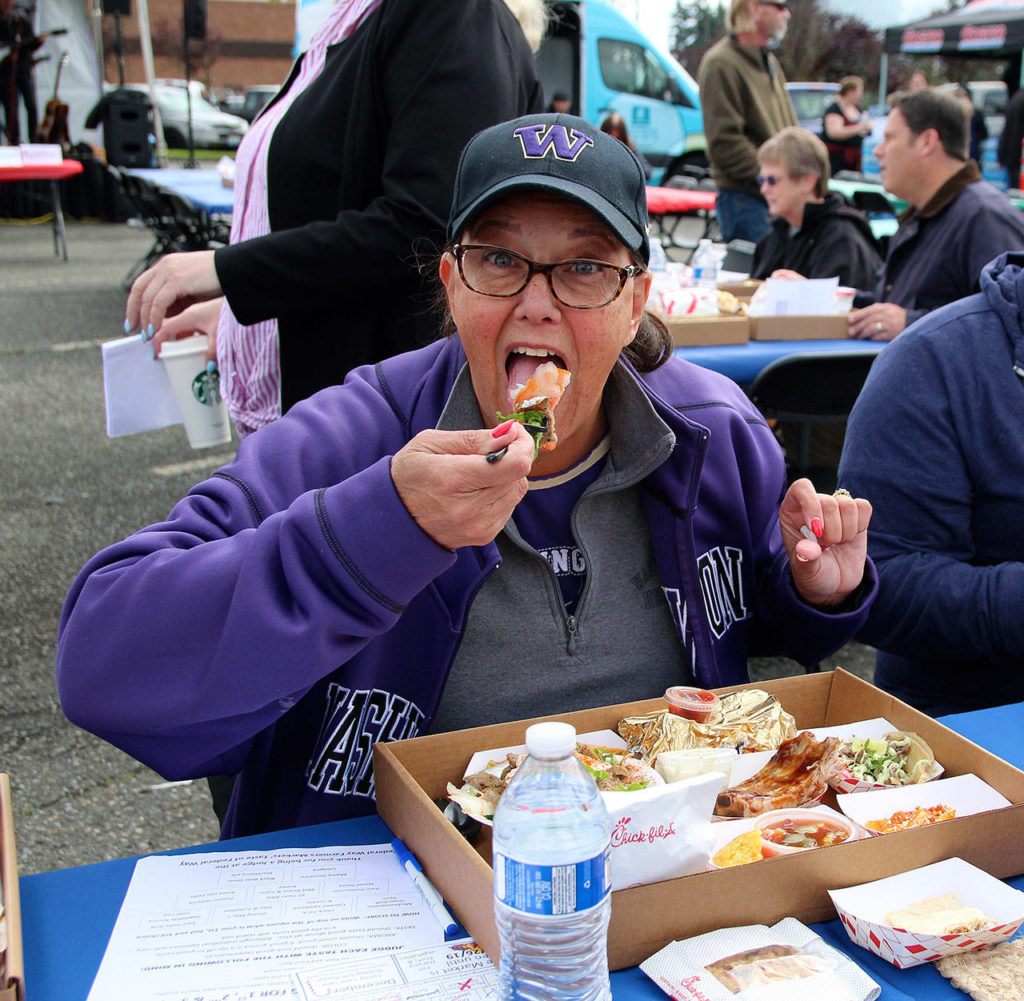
195 19
119 8
127 118
195 27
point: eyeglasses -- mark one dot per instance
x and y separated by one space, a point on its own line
777 4
580 284
763 179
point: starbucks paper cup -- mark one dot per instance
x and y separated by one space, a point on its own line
197 391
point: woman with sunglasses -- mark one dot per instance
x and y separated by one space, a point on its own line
393 557
815 233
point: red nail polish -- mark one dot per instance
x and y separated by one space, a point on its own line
501 429
817 527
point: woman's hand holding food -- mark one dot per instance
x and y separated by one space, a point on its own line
202 318
454 494
173 284
828 566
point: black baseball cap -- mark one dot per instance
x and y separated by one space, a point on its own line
559 153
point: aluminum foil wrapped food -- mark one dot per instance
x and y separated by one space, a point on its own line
752 720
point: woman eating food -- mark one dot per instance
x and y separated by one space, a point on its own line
397 555
814 233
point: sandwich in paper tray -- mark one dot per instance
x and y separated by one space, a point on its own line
954 906
784 962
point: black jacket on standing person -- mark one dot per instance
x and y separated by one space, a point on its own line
359 178
17 74
1011 138
835 239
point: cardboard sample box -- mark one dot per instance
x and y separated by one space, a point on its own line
704 331
12 967
832 326
742 290
410 774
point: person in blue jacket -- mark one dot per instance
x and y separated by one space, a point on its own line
937 439
391 557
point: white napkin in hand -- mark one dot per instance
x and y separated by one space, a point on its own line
137 389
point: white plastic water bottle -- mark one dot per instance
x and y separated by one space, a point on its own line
659 260
705 265
552 886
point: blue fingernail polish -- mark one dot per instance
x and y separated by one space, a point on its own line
144 337
127 327
150 330
211 367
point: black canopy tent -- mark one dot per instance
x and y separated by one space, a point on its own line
982 29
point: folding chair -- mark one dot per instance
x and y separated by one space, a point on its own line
873 203
149 211
808 389
739 256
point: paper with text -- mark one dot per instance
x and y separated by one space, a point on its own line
228 926
455 970
789 297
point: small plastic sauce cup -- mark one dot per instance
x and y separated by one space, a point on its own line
694 703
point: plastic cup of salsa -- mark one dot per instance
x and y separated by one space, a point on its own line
697 704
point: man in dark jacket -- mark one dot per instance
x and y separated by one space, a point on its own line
955 224
18 46
936 440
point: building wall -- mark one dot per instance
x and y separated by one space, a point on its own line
246 43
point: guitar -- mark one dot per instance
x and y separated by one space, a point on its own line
54 126
24 39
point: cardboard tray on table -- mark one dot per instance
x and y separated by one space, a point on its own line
410 774
704 331
831 326
12 967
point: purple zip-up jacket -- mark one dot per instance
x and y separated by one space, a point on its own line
289 612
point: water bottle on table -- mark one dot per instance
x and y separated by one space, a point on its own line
552 886
705 265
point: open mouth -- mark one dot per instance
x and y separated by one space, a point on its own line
522 364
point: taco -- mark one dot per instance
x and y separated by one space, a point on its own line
534 403
898 758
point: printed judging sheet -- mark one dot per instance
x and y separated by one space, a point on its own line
228 926
455 970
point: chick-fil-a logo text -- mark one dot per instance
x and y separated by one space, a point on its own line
690 986
622 835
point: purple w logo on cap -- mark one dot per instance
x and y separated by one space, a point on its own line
538 140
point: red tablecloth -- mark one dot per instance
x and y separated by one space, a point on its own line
678 201
49 172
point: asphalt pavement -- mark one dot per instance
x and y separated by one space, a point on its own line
66 490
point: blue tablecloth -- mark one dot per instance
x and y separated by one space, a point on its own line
68 915
203 187
743 362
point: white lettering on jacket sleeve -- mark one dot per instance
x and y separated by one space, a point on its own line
721 581
342 760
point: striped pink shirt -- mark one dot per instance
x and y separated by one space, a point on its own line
248 359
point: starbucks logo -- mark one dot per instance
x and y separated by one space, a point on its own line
206 388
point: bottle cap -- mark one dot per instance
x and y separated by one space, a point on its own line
550 740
